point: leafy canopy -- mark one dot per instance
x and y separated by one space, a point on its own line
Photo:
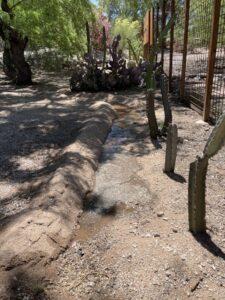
129 30
134 9
55 24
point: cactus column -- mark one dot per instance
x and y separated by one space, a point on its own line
197 178
171 149
196 195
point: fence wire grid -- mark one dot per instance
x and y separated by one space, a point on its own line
199 37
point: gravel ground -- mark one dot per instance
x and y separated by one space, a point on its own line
132 241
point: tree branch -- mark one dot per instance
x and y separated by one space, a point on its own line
18 3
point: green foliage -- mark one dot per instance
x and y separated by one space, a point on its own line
54 24
134 9
128 30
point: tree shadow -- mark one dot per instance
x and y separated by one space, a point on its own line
206 241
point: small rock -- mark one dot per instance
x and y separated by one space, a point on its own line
168 273
156 235
147 235
160 214
175 230
201 122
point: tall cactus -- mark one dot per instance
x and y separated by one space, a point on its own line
89 49
171 148
164 86
104 44
150 97
216 139
197 178
151 81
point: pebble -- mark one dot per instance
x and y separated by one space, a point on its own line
156 235
160 214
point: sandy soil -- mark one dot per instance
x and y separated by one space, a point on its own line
51 143
132 241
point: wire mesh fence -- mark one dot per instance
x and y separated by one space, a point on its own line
198 48
201 13
218 92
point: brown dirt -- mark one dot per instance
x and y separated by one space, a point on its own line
51 142
132 240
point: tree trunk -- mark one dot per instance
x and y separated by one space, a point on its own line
23 71
150 109
8 66
14 63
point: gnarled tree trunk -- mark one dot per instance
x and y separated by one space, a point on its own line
8 66
17 47
14 63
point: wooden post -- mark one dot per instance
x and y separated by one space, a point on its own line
157 29
212 59
152 36
148 32
172 9
163 21
184 62
157 22
171 149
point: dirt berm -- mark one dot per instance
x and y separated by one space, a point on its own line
46 228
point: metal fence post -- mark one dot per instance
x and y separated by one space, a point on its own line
172 9
184 61
163 22
212 59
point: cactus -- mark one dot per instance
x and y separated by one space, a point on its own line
196 195
197 178
89 50
150 97
164 86
95 75
171 149
150 109
216 139
104 43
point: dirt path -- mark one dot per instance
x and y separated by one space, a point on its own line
132 241
51 141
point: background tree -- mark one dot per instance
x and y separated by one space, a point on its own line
128 30
51 25
134 9
14 63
